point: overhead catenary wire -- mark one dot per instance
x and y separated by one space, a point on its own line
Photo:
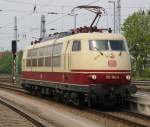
34 4
31 3
59 18
60 6
55 13
68 13
52 21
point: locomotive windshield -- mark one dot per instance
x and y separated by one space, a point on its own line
117 45
102 45
98 44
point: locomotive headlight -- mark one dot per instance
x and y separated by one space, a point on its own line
128 77
93 77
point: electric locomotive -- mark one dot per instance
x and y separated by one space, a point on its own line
84 65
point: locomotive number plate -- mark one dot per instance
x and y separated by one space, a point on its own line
112 63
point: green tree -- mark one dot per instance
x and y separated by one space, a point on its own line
5 63
136 29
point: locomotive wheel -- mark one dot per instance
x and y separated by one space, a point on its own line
110 101
94 100
75 98
56 95
81 99
66 97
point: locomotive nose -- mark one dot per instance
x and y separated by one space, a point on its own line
110 55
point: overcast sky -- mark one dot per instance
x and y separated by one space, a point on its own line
29 22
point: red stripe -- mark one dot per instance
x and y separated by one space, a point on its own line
77 78
100 70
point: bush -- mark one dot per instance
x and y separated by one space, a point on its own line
5 64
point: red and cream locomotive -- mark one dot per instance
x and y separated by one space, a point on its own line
78 66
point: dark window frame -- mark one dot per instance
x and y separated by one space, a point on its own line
76 46
117 45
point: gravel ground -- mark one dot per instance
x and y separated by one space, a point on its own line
9 118
58 115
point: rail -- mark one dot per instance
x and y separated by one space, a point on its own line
141 82
115 118
29 116
124 118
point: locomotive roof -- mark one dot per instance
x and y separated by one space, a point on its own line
80 36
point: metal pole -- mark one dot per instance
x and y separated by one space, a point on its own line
114 14
14 51
75 21
43 29
118 16
15 57
15 28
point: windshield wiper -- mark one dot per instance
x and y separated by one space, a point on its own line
98 50
120 53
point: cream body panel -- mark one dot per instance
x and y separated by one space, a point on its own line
84 59
95 61
24 57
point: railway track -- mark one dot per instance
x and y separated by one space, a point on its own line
30 120
5 78
120 118
114 119
141 82
124 118
142 85
13 116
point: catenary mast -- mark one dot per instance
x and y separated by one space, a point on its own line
43 29
118 16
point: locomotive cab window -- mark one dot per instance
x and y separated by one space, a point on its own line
76 46
117 45
98 45
104 45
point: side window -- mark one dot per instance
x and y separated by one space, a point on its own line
34 62
42 51
34 52
57 49
28 62
49 50
56 61
29 53
41 62
76 46
48 61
